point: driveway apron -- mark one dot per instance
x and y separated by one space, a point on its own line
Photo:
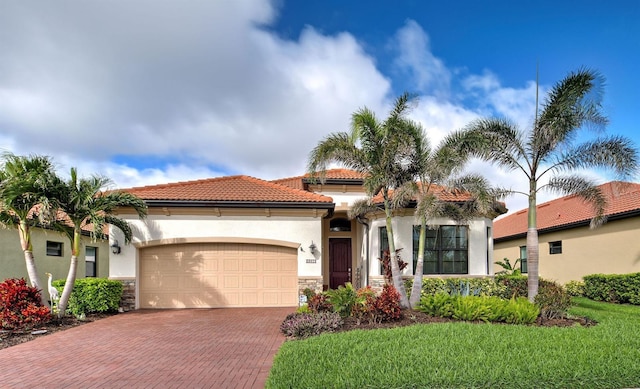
186 348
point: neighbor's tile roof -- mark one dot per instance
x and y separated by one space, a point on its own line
441 193
298 182
232 189
621 197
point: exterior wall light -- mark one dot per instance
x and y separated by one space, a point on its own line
312 248
115 247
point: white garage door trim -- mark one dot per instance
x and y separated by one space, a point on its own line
217 274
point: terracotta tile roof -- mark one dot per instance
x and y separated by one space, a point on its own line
298 182
228 189
621 197
440 192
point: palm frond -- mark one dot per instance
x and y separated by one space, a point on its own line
584 188
614 152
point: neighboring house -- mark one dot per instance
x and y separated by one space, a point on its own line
52 254
242 241
569 249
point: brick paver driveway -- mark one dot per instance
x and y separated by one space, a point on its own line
191 348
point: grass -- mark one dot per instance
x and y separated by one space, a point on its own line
466 355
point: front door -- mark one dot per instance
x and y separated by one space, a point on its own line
339 262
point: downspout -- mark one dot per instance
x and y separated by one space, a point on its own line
366 250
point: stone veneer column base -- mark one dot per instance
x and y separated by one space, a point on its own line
128 300
313 283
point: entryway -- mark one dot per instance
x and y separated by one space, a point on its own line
339 261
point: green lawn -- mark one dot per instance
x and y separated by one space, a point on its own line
464 355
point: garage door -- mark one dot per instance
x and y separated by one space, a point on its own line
213 275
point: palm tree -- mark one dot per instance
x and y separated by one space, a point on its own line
24 201
383 151
436 176
548 149
83 204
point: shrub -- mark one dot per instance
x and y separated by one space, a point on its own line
364 306
512 286
439 304
319 303
508 268
303 309
342 299
613 288
93 295
552 299
484 308
484 286
20 306
387 305
386 264
575 288
303 325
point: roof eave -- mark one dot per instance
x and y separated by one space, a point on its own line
238 204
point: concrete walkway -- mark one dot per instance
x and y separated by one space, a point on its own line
191 348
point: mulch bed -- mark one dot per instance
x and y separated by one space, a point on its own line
12 338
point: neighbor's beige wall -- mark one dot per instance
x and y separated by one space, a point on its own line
613 248
12 263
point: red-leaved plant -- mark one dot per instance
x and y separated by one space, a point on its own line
20 306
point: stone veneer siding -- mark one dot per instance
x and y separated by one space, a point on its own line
313 283
128 300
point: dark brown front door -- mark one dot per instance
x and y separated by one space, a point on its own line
339 262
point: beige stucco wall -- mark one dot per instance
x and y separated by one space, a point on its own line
614 248
299 231
12 263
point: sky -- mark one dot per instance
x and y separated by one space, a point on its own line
148 92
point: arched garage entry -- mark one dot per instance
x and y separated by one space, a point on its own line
192 274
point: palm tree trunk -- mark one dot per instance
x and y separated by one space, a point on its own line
533 250
416 290
395 270
71 276
27 249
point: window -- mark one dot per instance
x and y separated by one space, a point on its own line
90 256
523 259
54 249
555 247
384 245
340 224
446 250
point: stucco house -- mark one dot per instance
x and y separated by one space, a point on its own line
569 249
241 241
52 252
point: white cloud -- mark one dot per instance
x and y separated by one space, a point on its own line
415 58
206 90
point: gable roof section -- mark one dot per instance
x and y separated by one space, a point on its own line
331 176
623 200
232 191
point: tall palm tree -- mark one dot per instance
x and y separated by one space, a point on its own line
437 175
549 149
24 201
84 204
383 151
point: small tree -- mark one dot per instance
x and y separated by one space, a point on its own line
85 205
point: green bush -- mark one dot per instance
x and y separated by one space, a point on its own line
485 286
575 288
613 288
480 308
512 286
92 295
342 299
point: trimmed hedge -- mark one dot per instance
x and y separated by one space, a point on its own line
92 295
613 288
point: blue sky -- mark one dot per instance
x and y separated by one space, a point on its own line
152 92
